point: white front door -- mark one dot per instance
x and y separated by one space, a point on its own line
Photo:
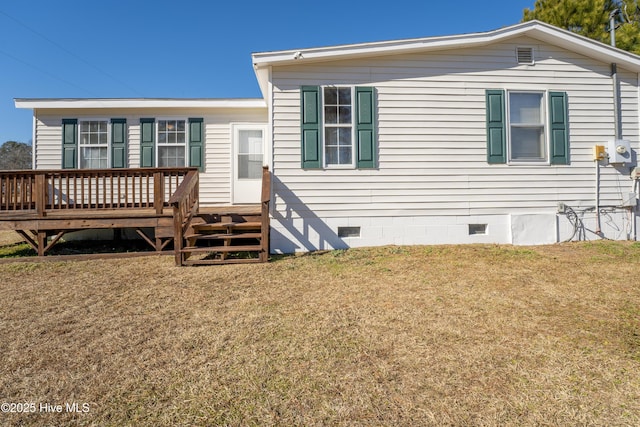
248 158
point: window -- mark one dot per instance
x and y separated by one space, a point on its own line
338 129
93 146
94 143
167 142
526 127
172 143
249 153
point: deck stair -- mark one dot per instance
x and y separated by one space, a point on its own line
227 237
222 235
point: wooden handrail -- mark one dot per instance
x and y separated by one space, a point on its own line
266 184
189 182
185 203
93 171
53 190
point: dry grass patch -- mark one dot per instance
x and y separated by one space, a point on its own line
442 335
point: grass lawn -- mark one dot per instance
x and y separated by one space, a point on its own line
438 335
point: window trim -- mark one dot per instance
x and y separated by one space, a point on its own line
544 114
353 163
157 139
81 145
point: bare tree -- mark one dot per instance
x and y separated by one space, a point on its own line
15 155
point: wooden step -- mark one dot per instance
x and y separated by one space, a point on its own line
253 209
217 226
239 248
224 236
221 261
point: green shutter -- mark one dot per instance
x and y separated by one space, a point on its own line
311 127
147 143
559 132
196 143
69 143
496 127
118 143
365 128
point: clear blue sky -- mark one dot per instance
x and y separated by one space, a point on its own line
195 48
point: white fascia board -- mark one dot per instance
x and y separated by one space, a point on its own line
88 103
262 75
535 29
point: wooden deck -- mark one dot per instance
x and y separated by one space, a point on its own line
42 206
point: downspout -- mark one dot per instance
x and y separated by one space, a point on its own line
634 227
614 78
616 101
598 230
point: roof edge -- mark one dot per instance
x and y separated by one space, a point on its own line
69 103
542 30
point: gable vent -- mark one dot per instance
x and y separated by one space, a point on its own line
524 55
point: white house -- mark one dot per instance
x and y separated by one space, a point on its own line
485 137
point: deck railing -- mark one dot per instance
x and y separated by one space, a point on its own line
185 204
45 191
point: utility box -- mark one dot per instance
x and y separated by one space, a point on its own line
619 151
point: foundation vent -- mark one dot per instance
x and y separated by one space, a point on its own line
348 232
477 229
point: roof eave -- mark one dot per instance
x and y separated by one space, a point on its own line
535 29
97 103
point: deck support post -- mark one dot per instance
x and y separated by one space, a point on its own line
40 195
264 217
42 242
158 192
178 236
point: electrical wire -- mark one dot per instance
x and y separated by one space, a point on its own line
580 230
45 72
68 52
576 222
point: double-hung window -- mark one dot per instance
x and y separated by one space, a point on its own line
172 143
527 127
338 127
93 144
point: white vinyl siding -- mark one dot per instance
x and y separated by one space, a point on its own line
432 135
